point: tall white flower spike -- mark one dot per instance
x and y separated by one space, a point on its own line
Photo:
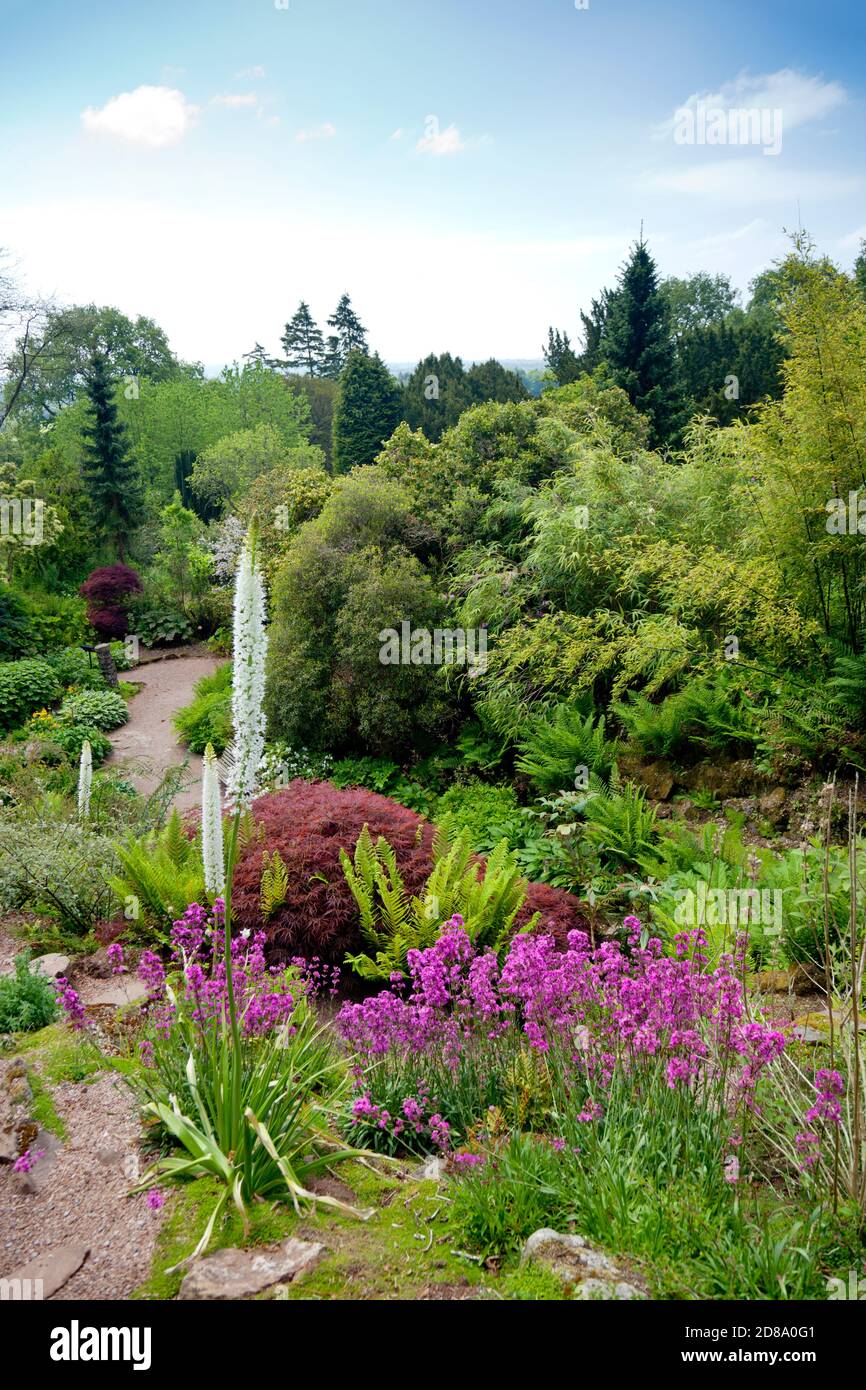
248 679
212 826
85 780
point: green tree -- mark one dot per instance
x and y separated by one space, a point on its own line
638 348
320 394
223 472
436 394
490 381
349 336
111 476
560 357
367 411
133 350
303 344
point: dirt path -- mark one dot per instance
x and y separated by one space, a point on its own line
148 741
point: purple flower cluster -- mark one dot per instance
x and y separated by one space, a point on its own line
70 1002
24 1163
416 1118
607 1006
827 1110
263 997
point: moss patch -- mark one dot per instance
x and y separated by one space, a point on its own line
406 1248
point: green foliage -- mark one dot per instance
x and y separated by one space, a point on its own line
486 812
57 867
70 736
16 632
159 625
701 716
56 620
274 885
621 824
223 473
27 999
392 923
637 347
161 874
99 709
24 687
568 744
366 413
110 473
208 717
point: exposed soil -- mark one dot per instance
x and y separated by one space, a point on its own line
84 1197
148 743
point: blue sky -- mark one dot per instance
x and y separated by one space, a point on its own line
471 172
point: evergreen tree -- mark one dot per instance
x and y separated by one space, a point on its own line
860 270
490 381
303 344
436 395
560 357
349 335
367 411
110 476
638 347
594 324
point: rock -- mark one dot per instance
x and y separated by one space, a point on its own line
809 979
53 1270
656 777
810 1035
572 1259
233 1273
118 991
737 778
51 965
434 1168
33 1181
774 981
774 807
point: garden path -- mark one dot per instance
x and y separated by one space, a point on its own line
148 742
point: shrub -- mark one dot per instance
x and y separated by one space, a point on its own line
622 825
309 823
27 1000
24 687
101 709
16 633
70 738
489 813
74 666
108 591
56 620
208 717
159 626
49 865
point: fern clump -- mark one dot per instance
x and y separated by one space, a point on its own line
162 874
702 716
562 750
392 922
274 885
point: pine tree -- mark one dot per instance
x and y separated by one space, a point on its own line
436 395
368 410
303 343
638 347
349 335
560 357
490 381
110 476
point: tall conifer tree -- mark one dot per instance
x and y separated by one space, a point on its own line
110 475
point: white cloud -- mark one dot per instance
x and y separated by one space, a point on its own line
853 239
799 97
156 117
320 132
253 74
440 142
749 181
396 135
235 100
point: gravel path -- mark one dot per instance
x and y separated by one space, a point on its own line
84 1198
148 741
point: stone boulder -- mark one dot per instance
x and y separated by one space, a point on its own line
592 1273
233 1273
